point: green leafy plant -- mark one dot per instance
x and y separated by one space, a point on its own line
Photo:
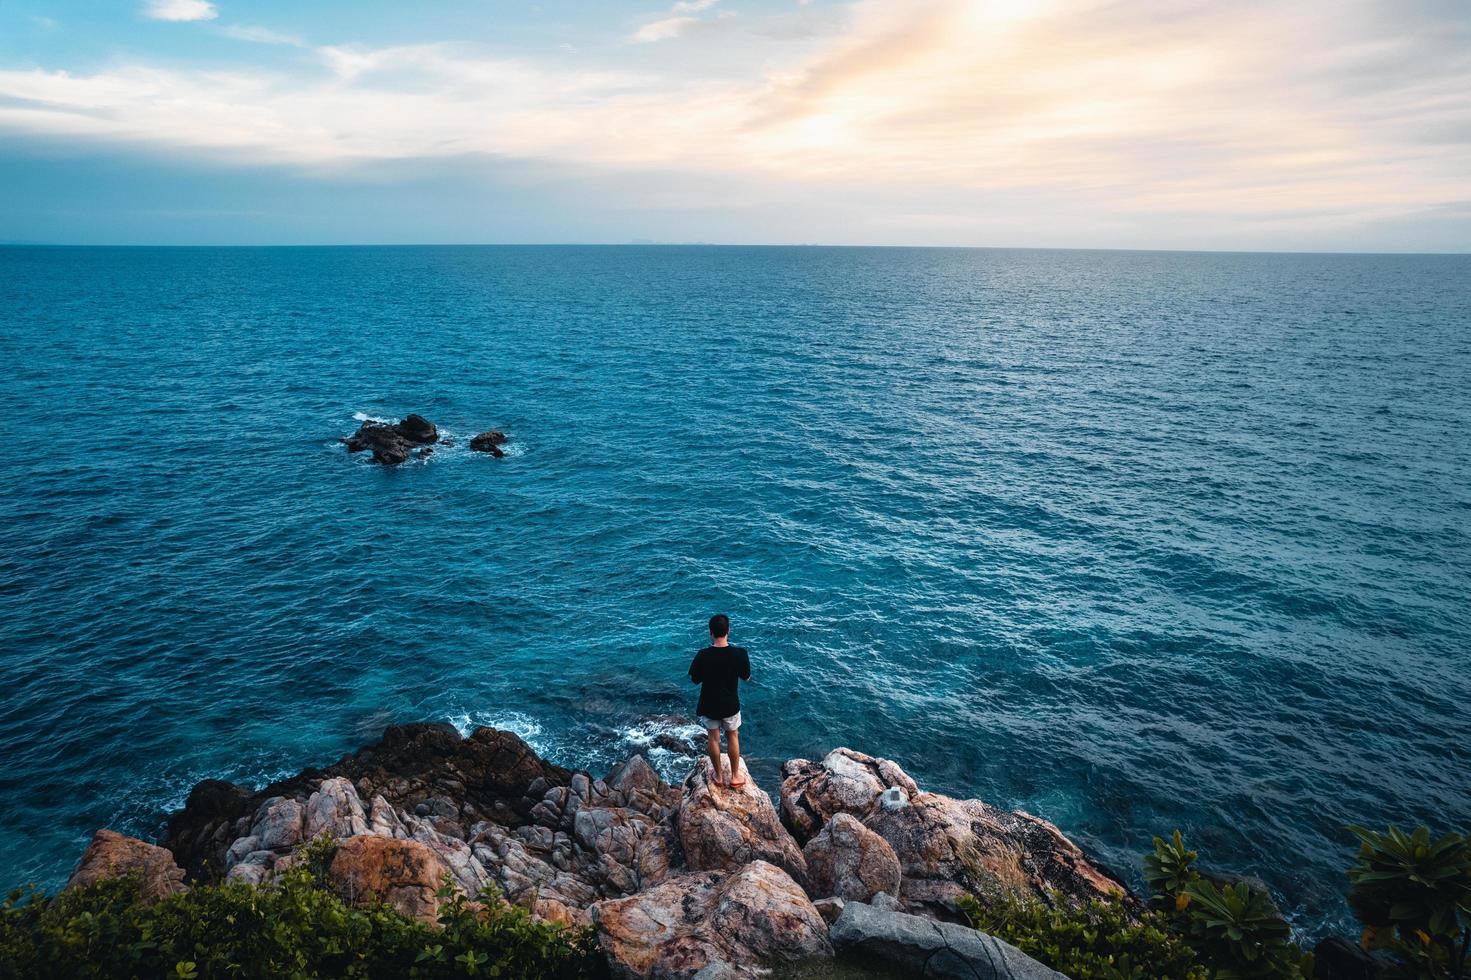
1240 932
1100 940
1412 892
296 927
1168 870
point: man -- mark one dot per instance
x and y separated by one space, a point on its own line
718 669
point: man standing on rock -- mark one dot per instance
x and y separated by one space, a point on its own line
718 669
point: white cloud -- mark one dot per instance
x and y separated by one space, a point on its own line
180 10
673 24
261 35
663 29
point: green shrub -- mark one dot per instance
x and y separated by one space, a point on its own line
1235 928
1097 941
295 928
1413 895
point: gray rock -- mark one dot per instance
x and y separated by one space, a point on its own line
925 948
335 809
280 824
237 851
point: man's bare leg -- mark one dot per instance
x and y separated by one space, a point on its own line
736 779
712 744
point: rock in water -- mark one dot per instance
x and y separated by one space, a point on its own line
404 873
112 855
849 861
724 828
729 924
417 429
925 948
489 442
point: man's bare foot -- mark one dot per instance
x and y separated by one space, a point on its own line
737 781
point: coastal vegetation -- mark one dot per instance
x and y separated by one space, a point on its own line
1411 892
297 927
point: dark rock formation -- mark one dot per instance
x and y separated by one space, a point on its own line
489 774
417 429
489 442
391 443
1336 958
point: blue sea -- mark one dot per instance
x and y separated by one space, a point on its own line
1131 540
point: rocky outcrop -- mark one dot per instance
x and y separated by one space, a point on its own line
677 880
392 443
847 860
921 947
946 847
404 873
113 855
726 924
725 828
489 442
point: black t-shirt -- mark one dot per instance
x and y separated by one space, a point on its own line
717 670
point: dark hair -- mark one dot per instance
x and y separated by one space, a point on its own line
719 625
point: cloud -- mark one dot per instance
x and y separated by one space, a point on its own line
180 10
678 21
261 35
1105 110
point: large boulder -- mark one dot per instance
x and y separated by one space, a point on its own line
728 925
849 861
388 445
112 855
921 947
844 781
406 874
725 828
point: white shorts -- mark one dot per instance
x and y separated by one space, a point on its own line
722 724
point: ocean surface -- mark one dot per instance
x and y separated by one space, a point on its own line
1134 541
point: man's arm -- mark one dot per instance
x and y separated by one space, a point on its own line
697 672
745 666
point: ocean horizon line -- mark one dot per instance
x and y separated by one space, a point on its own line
730 245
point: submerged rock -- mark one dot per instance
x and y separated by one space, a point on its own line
112 855
729 924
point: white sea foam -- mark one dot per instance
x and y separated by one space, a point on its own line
526 727
365 417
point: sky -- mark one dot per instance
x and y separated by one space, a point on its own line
1330 125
